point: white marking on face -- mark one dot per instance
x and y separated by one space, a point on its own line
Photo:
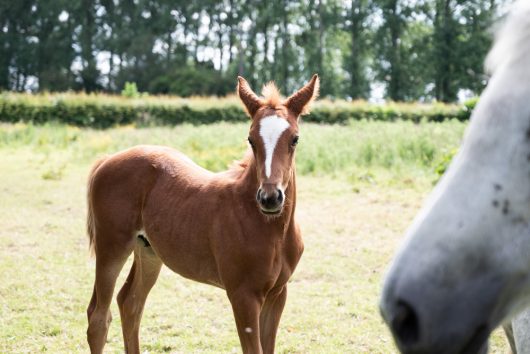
271 128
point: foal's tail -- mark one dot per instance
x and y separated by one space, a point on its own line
90 222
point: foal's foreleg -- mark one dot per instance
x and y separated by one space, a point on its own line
247 306
270 318
133 294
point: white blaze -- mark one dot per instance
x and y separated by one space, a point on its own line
271 128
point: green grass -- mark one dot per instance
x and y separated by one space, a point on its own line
360 149
360 187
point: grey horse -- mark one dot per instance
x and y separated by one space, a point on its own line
518 333
464 268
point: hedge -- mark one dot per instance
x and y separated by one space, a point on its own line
102 111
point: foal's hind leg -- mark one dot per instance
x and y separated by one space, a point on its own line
109 262
132 296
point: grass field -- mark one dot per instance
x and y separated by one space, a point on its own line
360 186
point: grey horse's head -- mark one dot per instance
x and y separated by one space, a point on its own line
465 266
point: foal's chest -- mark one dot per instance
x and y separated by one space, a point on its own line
292 250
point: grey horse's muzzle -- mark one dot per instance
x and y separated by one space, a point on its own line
426 316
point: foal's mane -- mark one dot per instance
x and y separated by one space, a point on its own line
271 95
512 41
239 166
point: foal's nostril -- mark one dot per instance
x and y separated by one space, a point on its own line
405 324
272 200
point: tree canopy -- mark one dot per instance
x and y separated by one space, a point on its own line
407 49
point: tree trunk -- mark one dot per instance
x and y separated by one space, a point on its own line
355 69
443 42
446 83
221 50
5 56
253 51
17 80
320 49
266 45
111 70
241 61
24 82
89 73
231 37
169 50
285 48
395 88
185 30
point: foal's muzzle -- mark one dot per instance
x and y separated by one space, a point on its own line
270 199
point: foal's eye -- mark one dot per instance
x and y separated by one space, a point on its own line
295 141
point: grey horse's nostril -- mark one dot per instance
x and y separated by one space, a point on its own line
405 324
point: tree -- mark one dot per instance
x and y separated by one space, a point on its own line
445 32
51 28
87 19
476 19
420 49
389 38
357 56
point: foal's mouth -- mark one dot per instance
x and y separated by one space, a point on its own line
270 212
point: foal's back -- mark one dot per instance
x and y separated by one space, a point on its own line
159 193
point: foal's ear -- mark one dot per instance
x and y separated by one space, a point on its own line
248 97
299 102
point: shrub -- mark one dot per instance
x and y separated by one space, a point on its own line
130 90
102 111
444 163
469 105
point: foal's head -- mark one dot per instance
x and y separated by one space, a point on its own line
273 137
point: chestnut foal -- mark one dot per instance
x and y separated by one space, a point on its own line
235 230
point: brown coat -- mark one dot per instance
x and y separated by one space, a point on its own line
235 230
